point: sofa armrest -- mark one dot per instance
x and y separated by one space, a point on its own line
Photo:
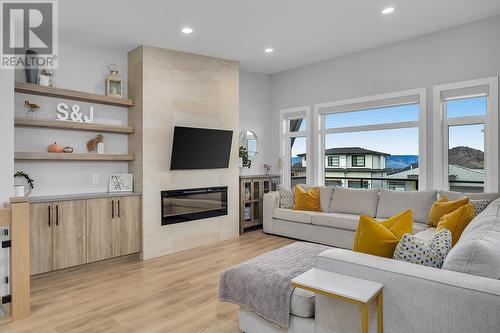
271 201
422 299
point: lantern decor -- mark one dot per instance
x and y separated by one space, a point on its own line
114 84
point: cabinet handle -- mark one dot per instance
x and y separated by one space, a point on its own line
119 210
49 214
112 209
57 214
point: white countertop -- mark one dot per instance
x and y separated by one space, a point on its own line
80 196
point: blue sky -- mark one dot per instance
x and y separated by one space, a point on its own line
399 141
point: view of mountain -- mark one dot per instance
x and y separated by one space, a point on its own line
400 161
467 157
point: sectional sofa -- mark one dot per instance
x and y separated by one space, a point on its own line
464 296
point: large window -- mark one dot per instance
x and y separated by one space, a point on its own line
466 134
379 138
333 160
294 145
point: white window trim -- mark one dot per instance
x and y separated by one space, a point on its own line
440 166
286 135
319 141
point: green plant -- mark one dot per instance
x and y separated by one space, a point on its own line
244 156
25 176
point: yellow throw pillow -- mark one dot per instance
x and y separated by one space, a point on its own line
442 207
456 221
307 200
381 238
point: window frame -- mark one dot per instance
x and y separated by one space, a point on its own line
419 95
355 158
442 123
285 139
331 158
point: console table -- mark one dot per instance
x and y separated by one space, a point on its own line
252 190
344 288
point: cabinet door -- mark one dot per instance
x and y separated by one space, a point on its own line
41 238
69 234
128 225
100 233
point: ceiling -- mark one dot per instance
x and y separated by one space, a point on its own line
301 31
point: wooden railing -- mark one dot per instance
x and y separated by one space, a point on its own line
16 217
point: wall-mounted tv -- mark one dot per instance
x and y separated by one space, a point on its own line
200 148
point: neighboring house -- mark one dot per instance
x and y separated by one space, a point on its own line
461 179
342 164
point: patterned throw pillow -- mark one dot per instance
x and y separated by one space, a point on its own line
480 205
286 197
427 253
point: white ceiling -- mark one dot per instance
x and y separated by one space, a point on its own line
301 31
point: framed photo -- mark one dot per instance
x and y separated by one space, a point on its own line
121 182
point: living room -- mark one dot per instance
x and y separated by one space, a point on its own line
231 166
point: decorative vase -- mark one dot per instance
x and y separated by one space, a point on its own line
19 190
100 148
31 71
55 148
68 150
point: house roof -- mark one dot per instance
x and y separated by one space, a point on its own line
350 151
461 173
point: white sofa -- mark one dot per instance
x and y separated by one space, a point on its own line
464 296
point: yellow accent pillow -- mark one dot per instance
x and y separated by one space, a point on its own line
456 221
309 200
442 207
381 238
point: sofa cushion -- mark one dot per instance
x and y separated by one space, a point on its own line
426 234
418 227
354 201
426 253
325 195
336 220
298 216
452 195
477 250
302 303
391 203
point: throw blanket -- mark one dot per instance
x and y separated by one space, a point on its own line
262 284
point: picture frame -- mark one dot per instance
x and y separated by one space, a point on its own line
123 182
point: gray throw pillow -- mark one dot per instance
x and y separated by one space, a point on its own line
427 253
286 197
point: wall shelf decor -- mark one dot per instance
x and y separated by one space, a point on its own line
35 89
58 124
34 156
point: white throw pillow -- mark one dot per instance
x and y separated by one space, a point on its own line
427 253
286 197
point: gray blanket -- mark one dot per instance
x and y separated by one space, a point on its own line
262 284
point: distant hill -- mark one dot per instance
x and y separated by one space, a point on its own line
400 161
467 157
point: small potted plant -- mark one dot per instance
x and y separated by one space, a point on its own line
245 161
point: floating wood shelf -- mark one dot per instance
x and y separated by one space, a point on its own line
59 124
35 89
29 156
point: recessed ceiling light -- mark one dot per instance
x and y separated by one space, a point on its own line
187 30
388 10
269 50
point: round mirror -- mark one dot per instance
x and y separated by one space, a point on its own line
248 139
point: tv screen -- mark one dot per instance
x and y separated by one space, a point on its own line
200 148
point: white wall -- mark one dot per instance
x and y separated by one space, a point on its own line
255 115
7 160
467 52
83 68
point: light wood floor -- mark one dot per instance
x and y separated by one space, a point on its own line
175 293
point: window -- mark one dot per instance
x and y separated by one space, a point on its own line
333 160
466 154
358 160
383 138
294 145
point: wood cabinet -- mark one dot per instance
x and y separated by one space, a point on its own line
75 232
113 227
252 190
